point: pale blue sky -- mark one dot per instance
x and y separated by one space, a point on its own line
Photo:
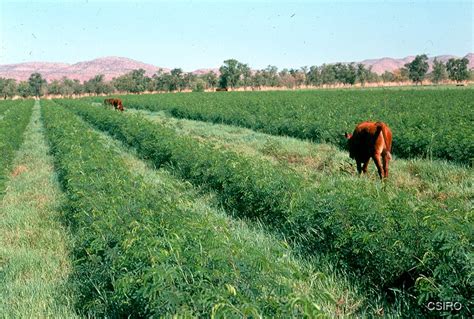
199 34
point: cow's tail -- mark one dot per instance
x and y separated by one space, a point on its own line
381 128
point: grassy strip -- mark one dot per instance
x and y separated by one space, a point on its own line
388 237
34 261
424 122
442 183
12 127
143 250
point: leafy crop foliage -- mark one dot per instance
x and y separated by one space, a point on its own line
435 123
143 250
14 117
390 238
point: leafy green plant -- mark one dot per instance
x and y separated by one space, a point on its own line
142 250
414 115
381 237
15 116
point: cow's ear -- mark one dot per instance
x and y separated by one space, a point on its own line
347 135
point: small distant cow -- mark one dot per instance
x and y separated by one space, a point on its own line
222 89
371 140
116 103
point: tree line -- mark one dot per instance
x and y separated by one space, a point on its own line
234 74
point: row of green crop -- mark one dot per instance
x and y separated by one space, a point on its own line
143 250
390 238
425 123
14 119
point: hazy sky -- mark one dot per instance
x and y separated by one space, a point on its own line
198 34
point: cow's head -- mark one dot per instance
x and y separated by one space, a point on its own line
348 135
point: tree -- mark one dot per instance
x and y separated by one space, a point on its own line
258 80
417 68
176 80
439 71
24 89
8 88
388 76
230 73
351 74
97 85
457 69
54 87
210 79
313 76
328 74
246 75
362 74
37 84
270 74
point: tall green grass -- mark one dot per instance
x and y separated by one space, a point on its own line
34 263
389 237
434 123
146 250
441 182
12 125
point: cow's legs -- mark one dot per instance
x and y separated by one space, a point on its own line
366 164
386 159
359 167
378 162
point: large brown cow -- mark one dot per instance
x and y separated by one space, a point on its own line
117 103
371 140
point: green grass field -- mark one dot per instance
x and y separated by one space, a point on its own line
161 211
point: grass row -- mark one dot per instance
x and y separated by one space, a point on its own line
389 238
12 125
443 183
143 250
424 122
34 261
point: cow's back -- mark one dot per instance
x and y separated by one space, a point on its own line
369 138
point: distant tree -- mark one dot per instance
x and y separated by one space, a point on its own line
198 85
258 80
246 75
299 77
388 76
270 74
54 87
230 73
97 85
8 88
176 80
37 84
24 89
286 78
418 68
439 71
313 76
362 74
328 74
77 87
340 71
457 69
401 75
304 73
351 74
211 79
134 81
